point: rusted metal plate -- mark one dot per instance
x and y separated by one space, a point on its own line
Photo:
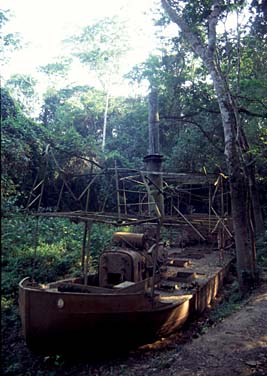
129 239
99 319
118 266
183 277
196 256
93 321
181 263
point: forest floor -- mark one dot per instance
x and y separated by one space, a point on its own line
229 339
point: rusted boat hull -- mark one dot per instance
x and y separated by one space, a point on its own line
110 320
62 322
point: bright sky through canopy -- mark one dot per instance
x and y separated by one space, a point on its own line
45 23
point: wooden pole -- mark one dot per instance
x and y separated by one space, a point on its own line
124 197
153 204
209 207
190 224
88 189
154 163
84 244
36 241
155 259
60 195
117 189
87 252
220 219
32 190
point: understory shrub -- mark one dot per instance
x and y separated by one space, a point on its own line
45 249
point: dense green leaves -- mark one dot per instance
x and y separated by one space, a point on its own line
21 146
46 251
22 88
71 117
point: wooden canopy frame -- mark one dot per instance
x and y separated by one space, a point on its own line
126 184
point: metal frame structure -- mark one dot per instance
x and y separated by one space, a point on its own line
134 191
132 198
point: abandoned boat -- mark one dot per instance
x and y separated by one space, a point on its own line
142 290
139 294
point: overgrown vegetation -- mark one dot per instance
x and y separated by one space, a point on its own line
71 120
44 249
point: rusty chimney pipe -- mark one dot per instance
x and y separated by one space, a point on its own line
153 161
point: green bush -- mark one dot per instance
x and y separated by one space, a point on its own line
46 249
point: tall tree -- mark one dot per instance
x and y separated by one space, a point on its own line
198 22
21 144
100 47
56 72
22 88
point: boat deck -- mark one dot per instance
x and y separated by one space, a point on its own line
126 316
202 274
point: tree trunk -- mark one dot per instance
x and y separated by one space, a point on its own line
239 187
105 122
256 207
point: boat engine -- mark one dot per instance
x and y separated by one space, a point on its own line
129 261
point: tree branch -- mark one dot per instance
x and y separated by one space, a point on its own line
213 20
185 120
193 38
250 113
252 100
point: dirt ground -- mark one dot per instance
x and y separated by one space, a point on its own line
235 345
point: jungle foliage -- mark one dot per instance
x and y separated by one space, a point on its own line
71 121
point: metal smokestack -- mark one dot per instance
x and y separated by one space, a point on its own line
153 123
153 161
